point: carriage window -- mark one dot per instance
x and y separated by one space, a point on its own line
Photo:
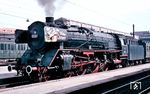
125 41
18 47
5 46
21 47
24 47
2 46
12 47
8 46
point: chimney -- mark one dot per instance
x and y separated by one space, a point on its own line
133 31
50 21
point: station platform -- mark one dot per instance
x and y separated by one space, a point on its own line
67 85
4 73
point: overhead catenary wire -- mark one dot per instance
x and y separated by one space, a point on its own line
16 16
95 12
9 8
68 1
72 3
98 13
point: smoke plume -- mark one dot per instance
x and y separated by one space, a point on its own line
50 6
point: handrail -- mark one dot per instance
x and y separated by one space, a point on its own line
96 28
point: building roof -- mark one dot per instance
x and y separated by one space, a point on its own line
142 33
7 30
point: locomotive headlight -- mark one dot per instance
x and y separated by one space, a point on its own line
51 34
34 35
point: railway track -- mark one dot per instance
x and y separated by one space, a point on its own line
17 81
140 86
13 81
145 91
138 83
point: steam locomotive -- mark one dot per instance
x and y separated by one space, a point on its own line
61 50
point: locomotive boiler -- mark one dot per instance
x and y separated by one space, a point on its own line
57 50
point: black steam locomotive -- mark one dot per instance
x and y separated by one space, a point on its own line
58 49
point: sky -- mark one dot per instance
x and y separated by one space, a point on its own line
114 14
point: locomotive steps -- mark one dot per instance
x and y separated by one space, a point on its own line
72 84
